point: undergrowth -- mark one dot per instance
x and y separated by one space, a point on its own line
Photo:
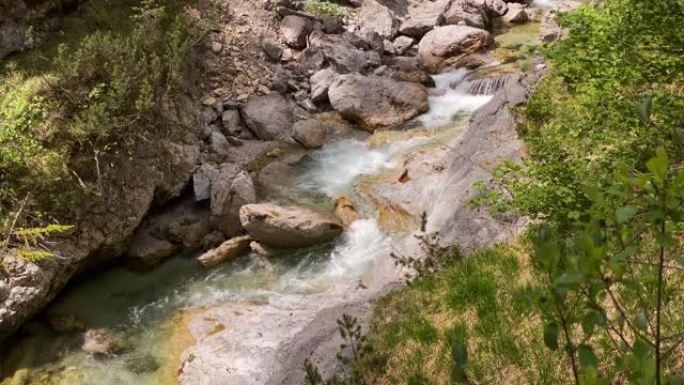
92 91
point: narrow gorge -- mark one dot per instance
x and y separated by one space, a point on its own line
308 147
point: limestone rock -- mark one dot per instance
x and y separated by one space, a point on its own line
272 50
402 43
294 30
287 227
232 189
320 82
375 17
219 144
344 208
231 122
373 101
517 14
310 133
228 250
496 7
268 116
342 55
471 13
201 181
444 43
149 250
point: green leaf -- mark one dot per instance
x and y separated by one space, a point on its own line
640 321
644 109
658 165
587 357
624 214
675 380
551 335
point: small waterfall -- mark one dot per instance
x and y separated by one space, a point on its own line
449 98
489 85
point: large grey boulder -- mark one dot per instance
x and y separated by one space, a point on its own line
471 13
147 250
517 14
320 82
202 180
310 133
496 7
294 30
343 56
270 116
402 43
376 18
448 42
373 101
423 16
288 227
231 190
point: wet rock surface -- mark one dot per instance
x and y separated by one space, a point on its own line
373 101
441 45
228 250
288 227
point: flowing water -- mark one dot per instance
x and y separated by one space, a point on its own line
146 312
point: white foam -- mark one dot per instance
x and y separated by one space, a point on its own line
450 98
338 165
364 242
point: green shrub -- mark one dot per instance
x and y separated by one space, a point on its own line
324 8
95 91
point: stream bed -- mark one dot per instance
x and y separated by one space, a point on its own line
148 312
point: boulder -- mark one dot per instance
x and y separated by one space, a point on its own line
294 30
402 43
99 343
407 68
218 143
268 116
310 133
232 189
373 101
496 7
375 17
311 60
272 50
355 40
320 82
342 55
148 250
202 180
344 209
231 122
465 12
288 227
444 43
422 16
517 14
228 250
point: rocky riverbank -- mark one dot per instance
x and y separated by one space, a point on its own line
266 92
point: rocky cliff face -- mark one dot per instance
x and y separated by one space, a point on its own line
23 23
257 78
